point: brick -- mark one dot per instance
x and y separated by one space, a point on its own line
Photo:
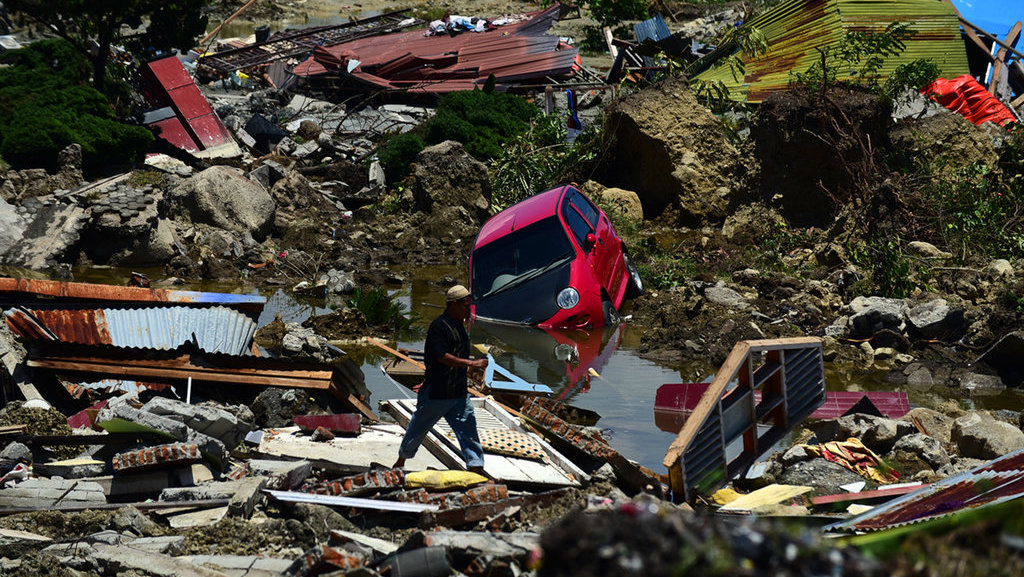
361 484
573 434
323 559
156 457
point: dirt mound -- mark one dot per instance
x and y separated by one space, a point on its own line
673 153
818 151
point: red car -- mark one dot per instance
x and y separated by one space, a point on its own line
552 260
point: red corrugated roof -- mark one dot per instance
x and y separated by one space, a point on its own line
409 60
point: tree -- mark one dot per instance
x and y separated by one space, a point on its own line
93 26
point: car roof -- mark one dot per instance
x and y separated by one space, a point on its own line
523 213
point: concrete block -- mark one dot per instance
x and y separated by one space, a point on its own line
112 411
71 468
165 544
187 518
52 494
281 475
210 421
247 496
369 482
140 486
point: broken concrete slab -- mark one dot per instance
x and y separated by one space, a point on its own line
241 565
117 559
210 421
282 475
71 468
374 444
15 543
379 546
147 484
188 517
247 496
52 494
163 544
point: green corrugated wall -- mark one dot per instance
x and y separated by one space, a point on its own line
795 28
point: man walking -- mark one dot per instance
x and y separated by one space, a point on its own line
444 392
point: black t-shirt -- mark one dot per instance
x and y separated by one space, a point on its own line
445 335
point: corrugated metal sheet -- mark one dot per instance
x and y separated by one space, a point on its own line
15 290
514 53
795 29
216 329
997 481
168 84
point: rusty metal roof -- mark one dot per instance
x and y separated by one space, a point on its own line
216 329
795 29
514 53
994 482
22 291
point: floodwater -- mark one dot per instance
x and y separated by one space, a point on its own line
599 371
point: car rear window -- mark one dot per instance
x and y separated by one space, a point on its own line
523 251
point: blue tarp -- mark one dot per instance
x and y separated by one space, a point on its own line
993 16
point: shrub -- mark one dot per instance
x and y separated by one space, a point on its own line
44 107
484 122
379 310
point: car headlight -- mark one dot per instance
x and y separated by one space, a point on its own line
568 298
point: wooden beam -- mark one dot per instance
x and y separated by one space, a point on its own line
998 72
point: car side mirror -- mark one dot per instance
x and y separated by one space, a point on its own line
591 240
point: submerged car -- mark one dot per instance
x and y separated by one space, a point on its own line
552 260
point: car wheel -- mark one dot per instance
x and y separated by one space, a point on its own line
611 314
635 285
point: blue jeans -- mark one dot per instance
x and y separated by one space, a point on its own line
460 417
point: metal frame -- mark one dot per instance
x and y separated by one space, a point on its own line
791 380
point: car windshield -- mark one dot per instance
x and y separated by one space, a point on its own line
520 256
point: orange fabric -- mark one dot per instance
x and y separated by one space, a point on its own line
853 455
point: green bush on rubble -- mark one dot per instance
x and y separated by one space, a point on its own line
482 121
45 106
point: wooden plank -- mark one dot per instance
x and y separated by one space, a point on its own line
998 72
182 374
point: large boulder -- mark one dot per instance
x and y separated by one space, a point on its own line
871 315
980 436
447 176
877 433
825 477
674 153
52 230
1004 357
935 319
12 227
223 197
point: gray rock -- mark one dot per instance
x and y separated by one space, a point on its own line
824 476
936 424
16 452
982 384
877 433
796 454
980 436
927 250
447 176
1004 357
726 297
923 448
870 315
936 320
223 197
1000 268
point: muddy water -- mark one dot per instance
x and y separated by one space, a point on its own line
599 371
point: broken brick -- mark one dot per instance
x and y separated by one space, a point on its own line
154 457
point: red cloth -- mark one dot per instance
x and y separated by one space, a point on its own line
965 96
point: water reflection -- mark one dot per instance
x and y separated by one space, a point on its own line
566 361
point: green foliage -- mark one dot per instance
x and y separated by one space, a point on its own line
890 268
857 58
540 158
972 215
399 152
44 108
483 122
910 76
611 12
164 24
380 310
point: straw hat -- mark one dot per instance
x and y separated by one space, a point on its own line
457 292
